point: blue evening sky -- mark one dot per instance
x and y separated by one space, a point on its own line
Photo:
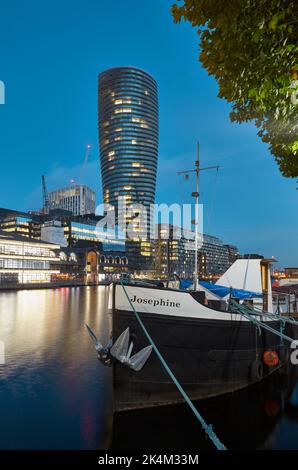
50 55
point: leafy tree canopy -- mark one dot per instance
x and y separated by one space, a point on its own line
251 48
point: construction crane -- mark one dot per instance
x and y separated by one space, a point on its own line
83 169
45 197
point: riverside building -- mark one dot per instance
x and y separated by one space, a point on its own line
24 260
20 223
176 255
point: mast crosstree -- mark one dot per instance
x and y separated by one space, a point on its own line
197 169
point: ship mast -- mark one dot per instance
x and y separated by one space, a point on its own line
196 195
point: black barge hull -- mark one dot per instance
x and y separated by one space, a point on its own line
209 357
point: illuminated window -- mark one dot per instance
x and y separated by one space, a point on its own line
136 164
122 110
73 257
125 101
137 119
134 142
111 153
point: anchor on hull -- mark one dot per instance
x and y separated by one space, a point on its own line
120 351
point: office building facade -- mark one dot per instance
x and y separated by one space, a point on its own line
233 253
24 260
20 223
173 255
213 257
81 232
77 199
176 254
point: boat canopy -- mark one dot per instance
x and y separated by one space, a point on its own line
185 283
222 291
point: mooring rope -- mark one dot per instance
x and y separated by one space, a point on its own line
206 427
242 310
274 316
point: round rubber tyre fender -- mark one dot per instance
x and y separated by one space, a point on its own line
257 370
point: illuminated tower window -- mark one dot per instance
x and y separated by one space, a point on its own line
128 102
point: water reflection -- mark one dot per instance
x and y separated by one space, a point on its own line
53 393
264 416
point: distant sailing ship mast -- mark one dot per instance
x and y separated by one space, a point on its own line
195 194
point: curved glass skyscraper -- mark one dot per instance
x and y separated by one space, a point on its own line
128 135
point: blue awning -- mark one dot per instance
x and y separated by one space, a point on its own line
222 291
185 283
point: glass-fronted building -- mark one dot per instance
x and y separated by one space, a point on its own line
24 260
91 233
128 138
20 223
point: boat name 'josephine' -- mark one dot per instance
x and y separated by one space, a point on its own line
155 302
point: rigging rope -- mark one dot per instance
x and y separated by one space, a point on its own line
260 312
209 212
242 310
207 428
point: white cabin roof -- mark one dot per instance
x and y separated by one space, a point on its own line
243 274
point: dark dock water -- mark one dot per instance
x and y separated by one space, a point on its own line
54 394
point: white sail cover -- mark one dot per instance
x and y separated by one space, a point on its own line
246 274
243 274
